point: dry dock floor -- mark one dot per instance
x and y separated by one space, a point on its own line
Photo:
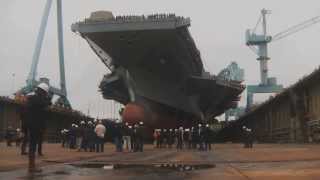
231 161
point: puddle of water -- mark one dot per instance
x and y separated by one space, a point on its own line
90 170
155 167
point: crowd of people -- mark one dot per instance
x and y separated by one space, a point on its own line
180 138
91 136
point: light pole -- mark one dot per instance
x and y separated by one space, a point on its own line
13 83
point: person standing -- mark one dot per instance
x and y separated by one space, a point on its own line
118 136
100 130
25 139
10 133
135 138
194 137
37 105
207 135
126 137
91 137
171 138
200 136
140 133
250 138
80 135
72 136
180 138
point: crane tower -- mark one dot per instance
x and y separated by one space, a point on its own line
258 43
32 82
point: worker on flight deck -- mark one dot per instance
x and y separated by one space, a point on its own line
37 115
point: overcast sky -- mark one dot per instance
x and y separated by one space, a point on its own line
217 27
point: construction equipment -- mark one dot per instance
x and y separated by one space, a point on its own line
31 81
258 43
233 73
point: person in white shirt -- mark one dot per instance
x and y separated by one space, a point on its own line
100 130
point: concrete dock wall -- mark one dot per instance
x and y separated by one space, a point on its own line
59 118
291 116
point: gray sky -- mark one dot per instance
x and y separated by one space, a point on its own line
217 27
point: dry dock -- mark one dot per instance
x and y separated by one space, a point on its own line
226 161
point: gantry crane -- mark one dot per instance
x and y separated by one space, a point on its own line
259 44
31 81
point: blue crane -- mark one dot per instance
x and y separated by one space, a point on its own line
32 82
258 43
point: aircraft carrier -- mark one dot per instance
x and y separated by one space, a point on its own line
155 64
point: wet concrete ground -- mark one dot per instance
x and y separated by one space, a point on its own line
227 161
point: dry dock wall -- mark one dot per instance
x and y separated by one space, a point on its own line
58 119
291 116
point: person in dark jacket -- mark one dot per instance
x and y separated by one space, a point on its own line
195 137
118 136
139 135
72 136
180 138
207 135
25 139
37 105
9 136
200 137
171 138
91 137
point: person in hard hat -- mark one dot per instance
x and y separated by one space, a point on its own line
126 137
131 134
91 137
64 138
37 105
207 136
250 138
72 136
186 138
140 133
118 136
194 137
100 131
245 136
165 138
170 138
180 138
135 138
81 136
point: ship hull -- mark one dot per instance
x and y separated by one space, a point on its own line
155 63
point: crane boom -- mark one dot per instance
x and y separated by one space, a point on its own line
296 28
